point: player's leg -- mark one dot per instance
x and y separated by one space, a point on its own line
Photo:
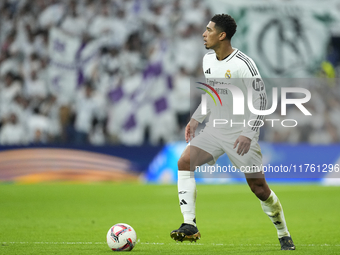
250 164
271 206
258 185
191 157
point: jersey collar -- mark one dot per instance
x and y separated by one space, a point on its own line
230 56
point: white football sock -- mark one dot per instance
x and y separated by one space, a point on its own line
272 207
187 196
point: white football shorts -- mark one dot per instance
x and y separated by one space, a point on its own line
216 144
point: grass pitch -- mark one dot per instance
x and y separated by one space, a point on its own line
74 219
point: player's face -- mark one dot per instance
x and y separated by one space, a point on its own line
211 36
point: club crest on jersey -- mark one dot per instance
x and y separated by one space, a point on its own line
258 84
227 74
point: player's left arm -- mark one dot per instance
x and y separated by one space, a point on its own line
256 87
243 143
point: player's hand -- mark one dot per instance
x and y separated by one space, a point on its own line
243 143
190 130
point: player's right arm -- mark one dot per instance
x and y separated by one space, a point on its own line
190 130
196 118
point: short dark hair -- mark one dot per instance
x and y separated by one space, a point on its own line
225 23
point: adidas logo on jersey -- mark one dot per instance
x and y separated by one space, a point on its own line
208 71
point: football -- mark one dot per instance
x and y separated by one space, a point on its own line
121 237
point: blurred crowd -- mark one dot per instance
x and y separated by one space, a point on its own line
138 33
321 127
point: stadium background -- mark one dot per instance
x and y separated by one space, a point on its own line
98 90
94 98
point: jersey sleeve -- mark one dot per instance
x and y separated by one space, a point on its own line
254 84
198 113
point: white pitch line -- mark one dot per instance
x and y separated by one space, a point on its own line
147 243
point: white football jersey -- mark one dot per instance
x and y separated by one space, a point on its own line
238 70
